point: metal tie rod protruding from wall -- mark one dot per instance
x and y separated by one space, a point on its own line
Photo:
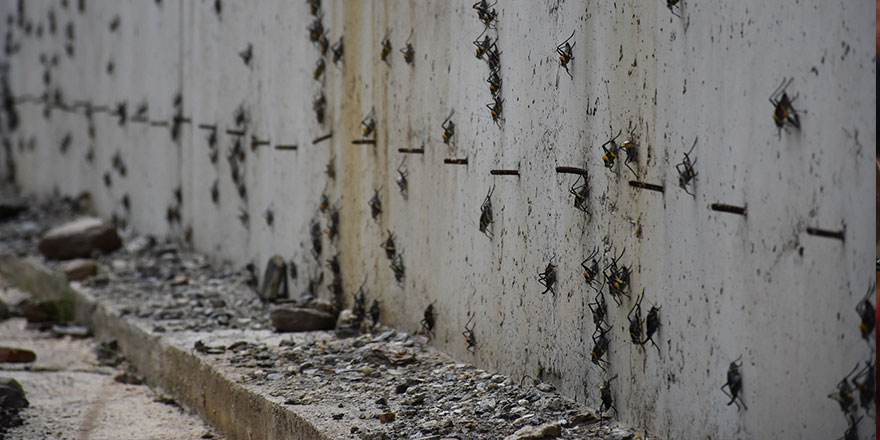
320 139
257 143
411 150
364 142
722 207
454 161
645 185
826 233
235 132
571 170
504 172
209 127
289 147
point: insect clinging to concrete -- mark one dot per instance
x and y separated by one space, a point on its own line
368 124
375 204
319 69
486 218
338 50
359 305
599 308
386 47
269 216
314 6
398 268
401 179
408 52
484 13
734 384
600 347
635 320
685 169
844 395
469 338
783 111
482 46
565 54
388 246
591 271
323 44
319 105
581 194
617 278
215 192
333 264
864 382
610 153
493 57
330 168
427 321
671 4
605 393
867 313
316 30
495 109
547 278
374 312
631 148
333 223
315 233
448 128
247 54
652 324
494 81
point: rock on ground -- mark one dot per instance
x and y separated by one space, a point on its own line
274 279
79 238
547 430
80 269
297 319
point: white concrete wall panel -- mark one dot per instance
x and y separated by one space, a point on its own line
729 285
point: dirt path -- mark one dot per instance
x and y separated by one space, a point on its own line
73 397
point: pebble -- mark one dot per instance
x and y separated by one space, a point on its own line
547 430
497 378
545 387
387 417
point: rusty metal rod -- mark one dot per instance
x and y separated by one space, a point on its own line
235 132
287 147
318 139
721 207
644 185
825 233
571 170
411 150
364 141
211 127
456 161
504 172
257 143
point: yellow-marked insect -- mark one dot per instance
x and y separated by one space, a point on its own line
565 54
672 5
495 109
611 152
685 168
368 125
386 47
783 111
448 128
408 52
319 69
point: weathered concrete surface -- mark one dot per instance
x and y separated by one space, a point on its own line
73 398
233 409
757 286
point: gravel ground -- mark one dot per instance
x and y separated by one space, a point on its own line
381 385
72 396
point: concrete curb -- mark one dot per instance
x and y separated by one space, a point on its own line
229 407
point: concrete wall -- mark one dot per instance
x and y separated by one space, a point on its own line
757 286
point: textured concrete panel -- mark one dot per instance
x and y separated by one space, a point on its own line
728 285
